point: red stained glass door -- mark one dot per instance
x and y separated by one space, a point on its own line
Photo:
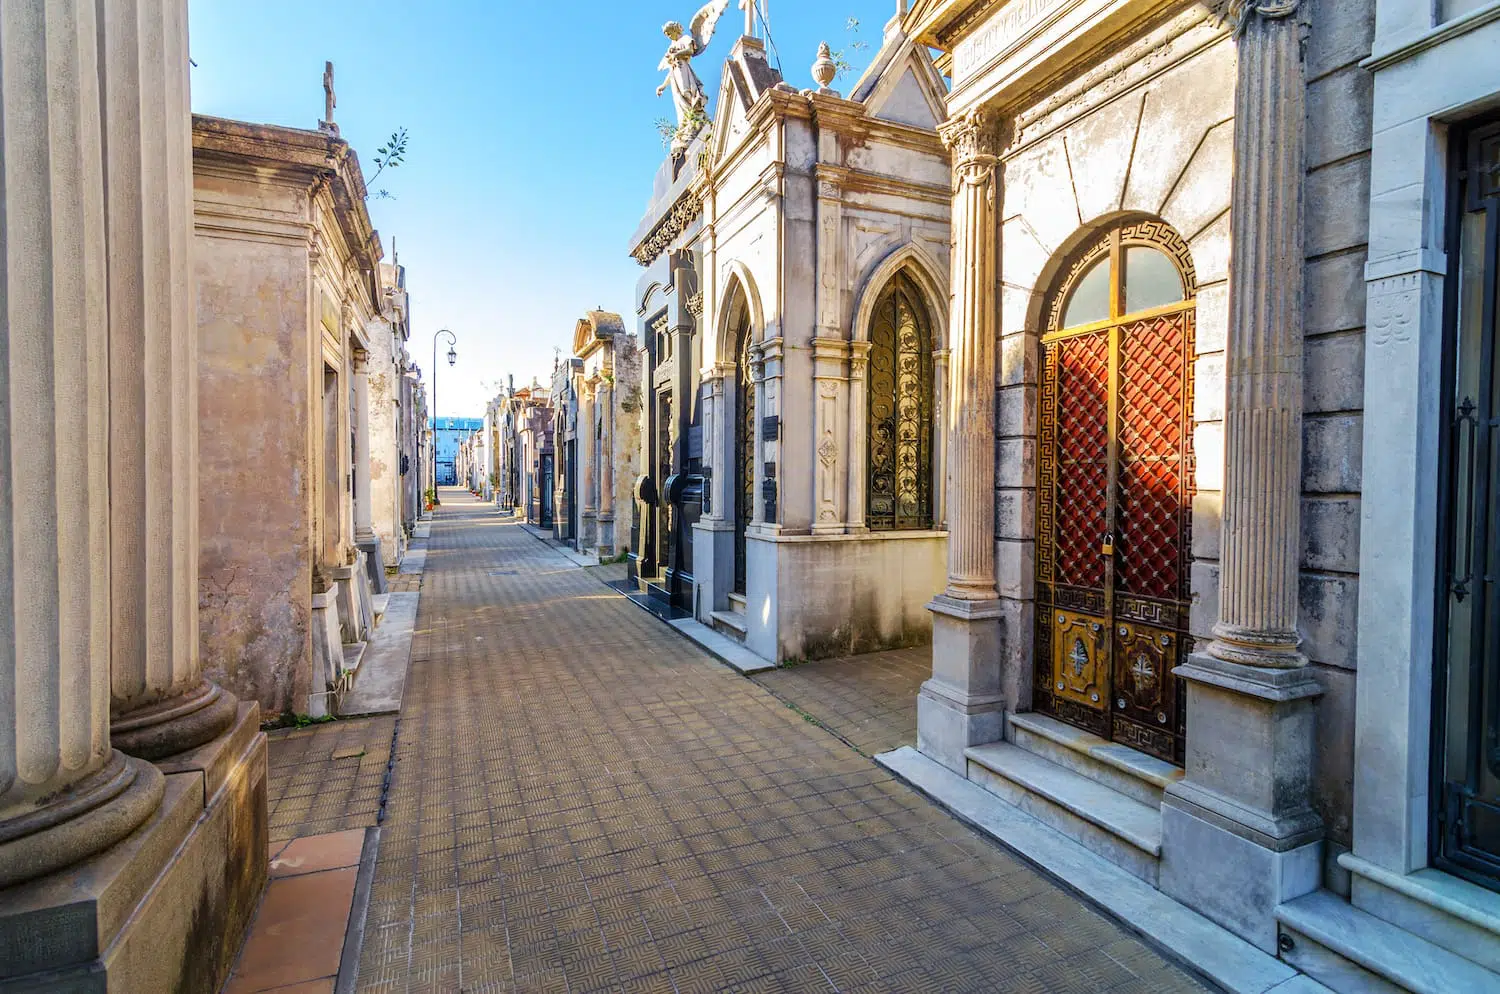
1115 489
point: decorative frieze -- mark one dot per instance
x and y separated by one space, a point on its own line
677 220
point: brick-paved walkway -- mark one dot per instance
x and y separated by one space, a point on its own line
583 801
310 792
869 701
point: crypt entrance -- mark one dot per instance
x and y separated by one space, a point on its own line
744 444
1115 485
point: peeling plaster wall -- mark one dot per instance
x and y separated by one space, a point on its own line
255 556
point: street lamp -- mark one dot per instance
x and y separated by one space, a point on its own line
452 359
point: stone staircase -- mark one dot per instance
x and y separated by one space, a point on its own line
731 623
1104 796
1426 931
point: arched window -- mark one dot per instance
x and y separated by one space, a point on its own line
900 407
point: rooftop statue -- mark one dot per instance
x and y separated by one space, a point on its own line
687 89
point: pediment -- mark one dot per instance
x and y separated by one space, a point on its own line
902 85
733 121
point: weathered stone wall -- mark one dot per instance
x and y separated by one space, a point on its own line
1339 107
255 557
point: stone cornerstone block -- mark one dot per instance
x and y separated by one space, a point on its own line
164 910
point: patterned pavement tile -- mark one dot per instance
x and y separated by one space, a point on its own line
869 701
310 792
583 801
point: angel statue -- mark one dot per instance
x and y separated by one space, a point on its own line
687 89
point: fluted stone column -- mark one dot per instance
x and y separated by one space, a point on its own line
65 794
588 516
1239 832
961 705
607 465
160 705
859 433
364 519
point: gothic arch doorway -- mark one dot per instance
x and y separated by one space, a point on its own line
1115 488
744 440
900 439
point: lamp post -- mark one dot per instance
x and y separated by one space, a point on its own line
452 358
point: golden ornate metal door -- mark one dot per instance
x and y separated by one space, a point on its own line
1115 489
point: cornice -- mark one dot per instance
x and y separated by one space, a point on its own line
676 221
293 156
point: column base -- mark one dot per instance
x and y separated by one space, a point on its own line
327 653
166 908
961 705
356 613
88 817
1239 835
168 727
369 544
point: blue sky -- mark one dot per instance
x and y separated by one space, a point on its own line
532 145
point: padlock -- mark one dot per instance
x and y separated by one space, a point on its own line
1109 545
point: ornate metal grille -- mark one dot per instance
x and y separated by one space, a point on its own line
1115 487
744 491
900 406
1465 826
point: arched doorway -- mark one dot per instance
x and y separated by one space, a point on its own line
744 441
1115 488
899 495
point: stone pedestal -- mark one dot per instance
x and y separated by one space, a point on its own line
961 705
327 651
1239 835
351 587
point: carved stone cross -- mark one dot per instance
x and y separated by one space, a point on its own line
330 100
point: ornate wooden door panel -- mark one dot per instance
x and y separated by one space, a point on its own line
1115 485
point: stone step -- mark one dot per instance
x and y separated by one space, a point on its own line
1350 951
1103 820
731 624
1461 917
1119 767
381 602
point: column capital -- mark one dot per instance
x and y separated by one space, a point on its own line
975 140
1271 10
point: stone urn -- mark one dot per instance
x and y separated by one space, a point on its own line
824 70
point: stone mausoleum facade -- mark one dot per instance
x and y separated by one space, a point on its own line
794 326
295 312
1221 323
